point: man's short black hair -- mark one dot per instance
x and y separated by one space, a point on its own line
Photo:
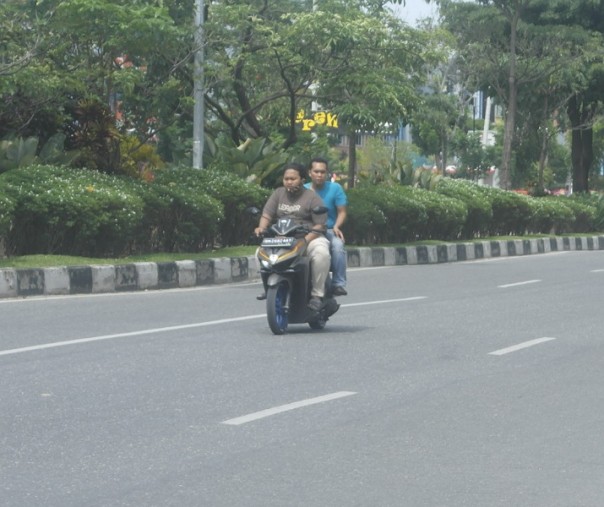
296 167
319 160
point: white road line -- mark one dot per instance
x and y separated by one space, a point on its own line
126 335
517 284
597 270
520 346
513 258
415 298
285 408
167 329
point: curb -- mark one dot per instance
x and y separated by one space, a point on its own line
138 276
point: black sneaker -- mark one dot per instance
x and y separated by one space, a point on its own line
315 304
261 297
338 290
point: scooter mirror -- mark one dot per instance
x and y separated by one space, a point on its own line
319 210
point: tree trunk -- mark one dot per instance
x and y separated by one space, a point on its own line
510 117
352 157
540 190
582 144
444 154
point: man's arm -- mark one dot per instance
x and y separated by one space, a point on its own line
340 219
342 214
319 221
267 214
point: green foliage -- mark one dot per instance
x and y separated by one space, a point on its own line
381 160
255 160
394 216
22 152
84 212
551 215
446 216
234 194
398 214
17 152
596 201
78 212
586 213
7 209
93 132
139 160
479 211
511 211
179 217
419 177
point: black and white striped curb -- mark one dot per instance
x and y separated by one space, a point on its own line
182 274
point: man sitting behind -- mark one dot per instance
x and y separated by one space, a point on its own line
335 200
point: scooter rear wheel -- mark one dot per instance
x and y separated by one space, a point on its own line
276 313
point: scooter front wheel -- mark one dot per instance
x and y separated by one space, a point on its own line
276 313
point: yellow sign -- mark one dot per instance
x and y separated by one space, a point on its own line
318 118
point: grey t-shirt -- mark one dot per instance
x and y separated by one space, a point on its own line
282 204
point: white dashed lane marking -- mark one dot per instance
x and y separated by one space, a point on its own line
285 408
520 346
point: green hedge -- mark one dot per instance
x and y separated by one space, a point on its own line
446 216
400 214
69 211
460 209
7 210
585 211
234 193
479 210
177 218
550 215
384 214
55 210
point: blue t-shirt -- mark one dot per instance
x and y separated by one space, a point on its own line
333 195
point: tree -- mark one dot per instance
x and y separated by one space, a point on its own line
127 55
489 33
375 75
441 113
585 18
510 53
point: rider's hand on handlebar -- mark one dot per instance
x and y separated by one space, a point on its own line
259 231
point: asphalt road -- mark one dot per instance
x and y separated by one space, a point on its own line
466 384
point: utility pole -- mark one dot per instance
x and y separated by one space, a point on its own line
198 88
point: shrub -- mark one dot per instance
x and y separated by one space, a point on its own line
366 222
479 211
585 211
550 215
596 201
395 216
446 216
511 211
69 211
235 194
7 208
178 217
139 160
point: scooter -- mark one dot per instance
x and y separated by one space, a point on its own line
285 273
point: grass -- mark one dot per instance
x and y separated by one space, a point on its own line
47 261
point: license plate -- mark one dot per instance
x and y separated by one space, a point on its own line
279 242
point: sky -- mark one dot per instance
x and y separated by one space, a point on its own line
415 10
